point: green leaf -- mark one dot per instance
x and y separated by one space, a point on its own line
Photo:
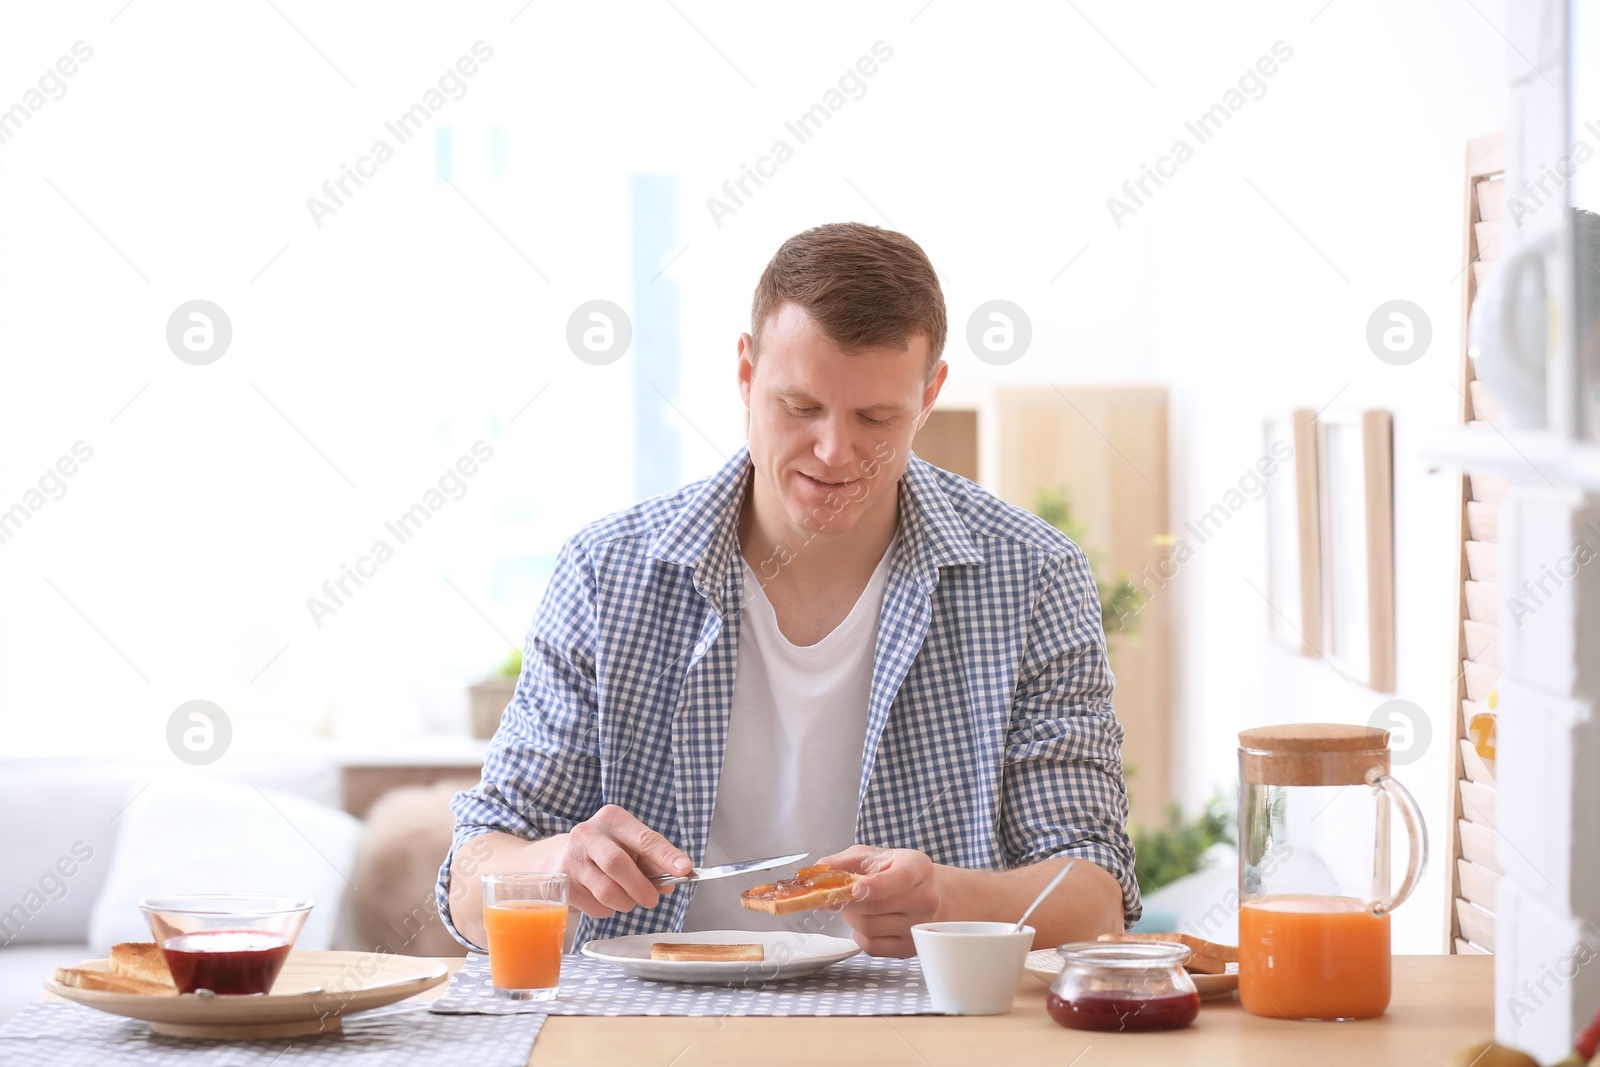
1172 851
1120 601
512 667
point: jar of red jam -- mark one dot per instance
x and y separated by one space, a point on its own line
1123 986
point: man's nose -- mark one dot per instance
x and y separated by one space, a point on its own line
833 444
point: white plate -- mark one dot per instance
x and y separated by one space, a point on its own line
312 991
1045 963
789 954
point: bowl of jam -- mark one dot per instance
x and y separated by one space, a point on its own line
1123 987
228 944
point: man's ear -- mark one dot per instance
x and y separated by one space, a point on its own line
930 393
747 366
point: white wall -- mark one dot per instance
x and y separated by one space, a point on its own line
1360 147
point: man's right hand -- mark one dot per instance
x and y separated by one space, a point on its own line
610 859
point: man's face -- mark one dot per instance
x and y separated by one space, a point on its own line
830 431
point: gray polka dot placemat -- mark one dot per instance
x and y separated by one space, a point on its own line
860 985
400 1035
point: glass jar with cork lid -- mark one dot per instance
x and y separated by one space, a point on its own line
1314 869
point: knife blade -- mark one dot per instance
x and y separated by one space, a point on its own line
703 874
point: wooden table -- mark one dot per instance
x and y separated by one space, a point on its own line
1440 1003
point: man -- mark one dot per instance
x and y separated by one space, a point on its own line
828 646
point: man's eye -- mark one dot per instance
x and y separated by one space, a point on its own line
800 411
870 421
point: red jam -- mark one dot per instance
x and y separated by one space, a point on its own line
1125 1014
805 880
225 961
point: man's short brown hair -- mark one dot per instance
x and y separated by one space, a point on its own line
863 285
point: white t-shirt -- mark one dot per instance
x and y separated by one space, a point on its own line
791 773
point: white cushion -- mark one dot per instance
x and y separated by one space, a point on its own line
56 838
23 969
315 778
205 835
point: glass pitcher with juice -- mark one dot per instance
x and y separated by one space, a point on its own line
1314 870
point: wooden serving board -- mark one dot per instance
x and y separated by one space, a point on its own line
312 993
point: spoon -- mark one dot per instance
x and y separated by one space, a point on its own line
1046 891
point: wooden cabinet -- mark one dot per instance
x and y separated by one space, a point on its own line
1106 446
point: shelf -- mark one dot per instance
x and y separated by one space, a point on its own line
1521 457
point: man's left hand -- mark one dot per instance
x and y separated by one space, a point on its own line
900 888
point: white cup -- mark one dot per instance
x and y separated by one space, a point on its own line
972 968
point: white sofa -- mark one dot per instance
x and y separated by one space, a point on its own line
82 841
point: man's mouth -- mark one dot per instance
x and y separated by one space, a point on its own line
824 482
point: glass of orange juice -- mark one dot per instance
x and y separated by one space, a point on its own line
526 918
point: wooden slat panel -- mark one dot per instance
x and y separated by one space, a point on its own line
1483 522
1483 561
1467 948
1377 434
1482 604
1487 488
1491 198
1477 802
1476 923
1483 643
1488 234
1469 929
1473 765
1484 405
1478 884
1480 679
1477 844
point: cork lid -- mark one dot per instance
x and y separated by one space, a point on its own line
1314 753
1314 737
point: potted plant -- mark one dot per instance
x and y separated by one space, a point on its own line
1175 850
1119 598
489 698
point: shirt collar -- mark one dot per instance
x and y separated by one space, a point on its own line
705 533
931 530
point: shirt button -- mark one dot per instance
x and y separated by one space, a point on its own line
700 649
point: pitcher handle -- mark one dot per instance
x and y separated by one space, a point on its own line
1416 833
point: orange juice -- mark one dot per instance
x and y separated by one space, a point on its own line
525 943
1313 958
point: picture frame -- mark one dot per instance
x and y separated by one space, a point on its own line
1294 535
1355 475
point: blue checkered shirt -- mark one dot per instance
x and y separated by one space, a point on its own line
991 742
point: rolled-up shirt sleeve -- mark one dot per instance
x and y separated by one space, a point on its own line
541 774
1063 792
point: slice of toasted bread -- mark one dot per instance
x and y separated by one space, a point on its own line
758 898
707 953
1206 957
107 982
141 959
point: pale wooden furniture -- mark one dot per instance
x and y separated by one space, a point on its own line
1470 859
1440 1003
1107 447
949 439
366 776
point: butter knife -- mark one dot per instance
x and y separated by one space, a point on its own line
704 874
